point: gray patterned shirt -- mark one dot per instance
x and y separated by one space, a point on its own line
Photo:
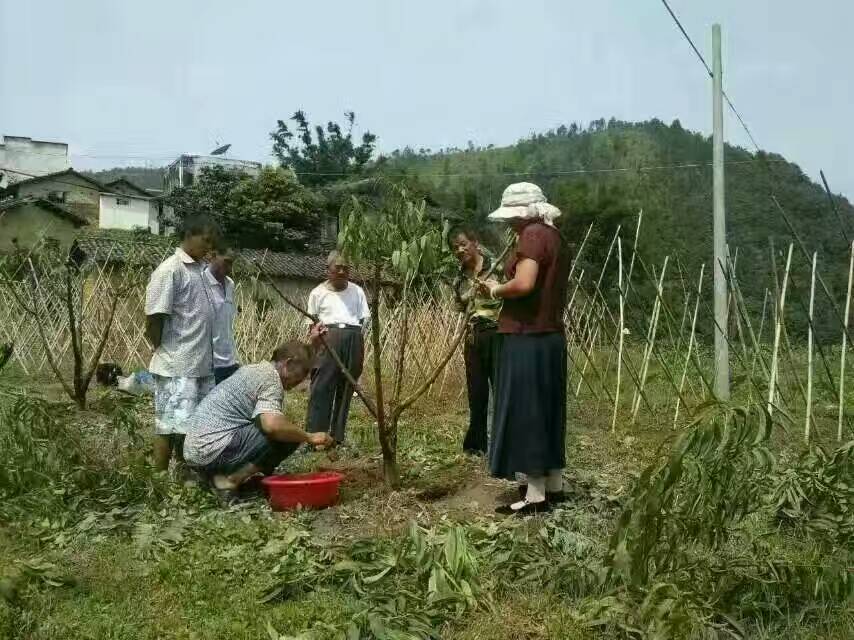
254 389
177 289
222 299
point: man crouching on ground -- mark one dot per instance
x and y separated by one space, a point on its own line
239 429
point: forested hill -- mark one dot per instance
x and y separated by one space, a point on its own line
609 171
145 177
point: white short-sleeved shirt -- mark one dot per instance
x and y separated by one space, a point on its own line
222 299
178 290
349 306
251 391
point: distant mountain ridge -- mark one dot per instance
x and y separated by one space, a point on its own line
607 171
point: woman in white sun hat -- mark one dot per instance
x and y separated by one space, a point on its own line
529 423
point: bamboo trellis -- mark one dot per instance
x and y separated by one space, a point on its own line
634 341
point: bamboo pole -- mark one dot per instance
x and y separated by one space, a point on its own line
634 251
778 329
757 353
844 346
656 310
579 252
810 338
690 344
620 328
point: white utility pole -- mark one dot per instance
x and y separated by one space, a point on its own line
719 224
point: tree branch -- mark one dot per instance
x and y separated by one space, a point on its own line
34 312
420 391
102 342
74 330
369 404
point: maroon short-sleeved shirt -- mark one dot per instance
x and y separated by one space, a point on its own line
541 311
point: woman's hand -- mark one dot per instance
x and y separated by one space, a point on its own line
486 287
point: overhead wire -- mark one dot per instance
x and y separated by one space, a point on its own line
564 172
709 71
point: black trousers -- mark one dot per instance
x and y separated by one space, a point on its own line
329 400
480 376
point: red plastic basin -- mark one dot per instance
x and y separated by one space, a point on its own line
309 490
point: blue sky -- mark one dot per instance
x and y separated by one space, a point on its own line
135 83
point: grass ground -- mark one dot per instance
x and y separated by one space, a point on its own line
135 556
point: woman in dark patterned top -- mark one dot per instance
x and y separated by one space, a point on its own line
480 336
529 424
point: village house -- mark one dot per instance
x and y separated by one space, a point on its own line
128 207
26 221
183 171
22 158
75 191
54 206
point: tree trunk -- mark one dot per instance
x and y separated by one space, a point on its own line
386 428
388 443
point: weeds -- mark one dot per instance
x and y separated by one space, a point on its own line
51 471
817 494
694 551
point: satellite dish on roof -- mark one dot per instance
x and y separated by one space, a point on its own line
220 150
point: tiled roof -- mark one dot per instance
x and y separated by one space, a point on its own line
55 207
108 245
124 186
56 177
291 265
122 247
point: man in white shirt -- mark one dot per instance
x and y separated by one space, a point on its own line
179 325
221 288
342 308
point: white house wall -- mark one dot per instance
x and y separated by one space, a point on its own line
31 158
138 213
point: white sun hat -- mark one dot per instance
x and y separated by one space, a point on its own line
525 201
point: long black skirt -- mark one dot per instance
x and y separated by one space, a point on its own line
529 424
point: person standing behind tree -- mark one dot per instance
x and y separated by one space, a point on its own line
179 325
480 337
529 426
221 287
340 306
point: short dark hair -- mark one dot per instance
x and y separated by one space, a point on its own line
299 353
198 225
462 229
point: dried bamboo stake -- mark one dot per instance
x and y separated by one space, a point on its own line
460 318
690 344
634 250
578 253
611 246
778 329
844 346
620 329
757 353
588 351
810 338
656 310
733 302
